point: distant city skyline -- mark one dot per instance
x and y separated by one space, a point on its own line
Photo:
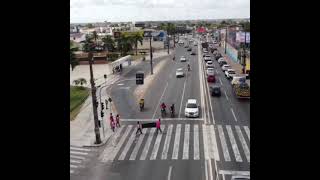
90 11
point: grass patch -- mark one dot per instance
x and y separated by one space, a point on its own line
78 95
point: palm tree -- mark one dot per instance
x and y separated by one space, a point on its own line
108 42
88 44
73 61
76 82
95 36
124 44
171 30
137 37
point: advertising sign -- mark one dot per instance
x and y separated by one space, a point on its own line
232 53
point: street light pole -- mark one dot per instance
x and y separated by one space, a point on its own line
225 43
94 100
244 54
151 55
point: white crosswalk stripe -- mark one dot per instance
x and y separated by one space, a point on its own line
176 142
185 154
126 148
147 145
223 144
77 157
137 147
196 148
167 143
205 141
247 130
214 143
119 144
156 146
243 143
234 144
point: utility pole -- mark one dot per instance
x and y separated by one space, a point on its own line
151 54
168 44
244 54
94 101
225 43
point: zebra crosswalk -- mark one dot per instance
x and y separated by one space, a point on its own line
180 141
77 157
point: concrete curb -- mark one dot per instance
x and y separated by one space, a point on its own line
98 145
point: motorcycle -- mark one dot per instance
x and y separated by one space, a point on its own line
141 104
163 112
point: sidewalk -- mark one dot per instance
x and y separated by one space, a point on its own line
82 127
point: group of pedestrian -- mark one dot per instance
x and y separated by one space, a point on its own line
158 126
114 123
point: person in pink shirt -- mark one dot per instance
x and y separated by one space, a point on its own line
158 125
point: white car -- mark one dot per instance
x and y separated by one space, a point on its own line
225 67
183 59
179 73
192 109
209 64
206 59
205 51
180 42
221 59
210 71
240 178
230 73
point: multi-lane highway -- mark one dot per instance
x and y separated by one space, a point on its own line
215 144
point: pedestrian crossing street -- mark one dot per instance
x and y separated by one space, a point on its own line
179 142
78 156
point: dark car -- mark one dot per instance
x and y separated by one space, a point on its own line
189 49
211 78
215 90
193 53
218 56
221 63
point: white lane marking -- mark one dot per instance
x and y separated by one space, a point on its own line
147 145
205 141
184 87
164 119
226 95
126 148
205 169
120 84
213 140
243 143
167 143
225 151
213 121
79 153
196 142
169 173
79 149
71 171
241 173
247 131
210 170
156 146
235 118
74 161
137 147
220 81
234 144
175 152
157 105
186 142
118 146
77 157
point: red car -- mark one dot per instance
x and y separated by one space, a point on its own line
211 78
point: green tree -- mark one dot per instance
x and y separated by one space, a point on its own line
124 44
89 25
108 43
137 37
88 44
76 82
95 36
73 61
82 81
246 26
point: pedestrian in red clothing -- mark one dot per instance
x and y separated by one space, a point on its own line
118 120
111 120
158 125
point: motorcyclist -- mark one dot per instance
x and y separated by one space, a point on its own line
163 106
141 103
174 58
188 67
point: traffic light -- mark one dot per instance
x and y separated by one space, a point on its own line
102 114
139 77
102 106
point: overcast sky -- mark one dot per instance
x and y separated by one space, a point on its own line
83 11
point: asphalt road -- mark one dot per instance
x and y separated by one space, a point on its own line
198 151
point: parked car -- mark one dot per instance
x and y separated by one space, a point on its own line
189 49
206 58
211 78
192 108
210 71
179 73
209 64
225 67
183 59
215 90
230 73
223 63
238 80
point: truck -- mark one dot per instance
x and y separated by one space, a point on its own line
241 90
